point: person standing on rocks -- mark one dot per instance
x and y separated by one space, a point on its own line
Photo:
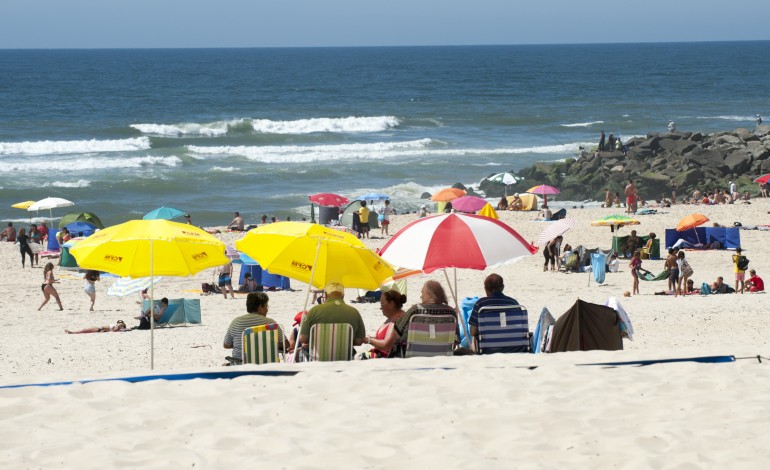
601 141
631 196
671 126
758 120
611 143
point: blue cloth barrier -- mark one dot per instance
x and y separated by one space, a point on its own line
599 266
466 307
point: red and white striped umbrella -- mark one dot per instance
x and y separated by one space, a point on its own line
455 241
555 229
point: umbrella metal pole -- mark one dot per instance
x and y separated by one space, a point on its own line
457 309
152 313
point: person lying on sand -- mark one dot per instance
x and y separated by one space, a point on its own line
117 327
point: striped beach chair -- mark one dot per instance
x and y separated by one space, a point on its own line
331 342
260 344
430 335
503 329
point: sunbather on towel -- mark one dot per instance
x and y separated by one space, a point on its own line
118 326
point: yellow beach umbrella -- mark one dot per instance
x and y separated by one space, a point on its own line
489 211
142 248
315 255
23 205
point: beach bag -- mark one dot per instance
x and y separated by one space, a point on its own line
687 270
743 263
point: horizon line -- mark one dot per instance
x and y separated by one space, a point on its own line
385 46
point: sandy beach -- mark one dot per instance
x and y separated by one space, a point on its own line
500 411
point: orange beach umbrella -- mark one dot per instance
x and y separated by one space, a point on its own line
447 194
691 221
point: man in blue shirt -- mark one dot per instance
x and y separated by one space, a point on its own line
515 325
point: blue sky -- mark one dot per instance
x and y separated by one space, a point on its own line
282 23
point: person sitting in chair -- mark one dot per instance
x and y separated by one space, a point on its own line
256 315
433 301
632 243
493 287
157 315
333 310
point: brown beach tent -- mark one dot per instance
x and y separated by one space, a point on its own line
586 327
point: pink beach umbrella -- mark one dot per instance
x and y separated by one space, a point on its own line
543 190
328 199
469 203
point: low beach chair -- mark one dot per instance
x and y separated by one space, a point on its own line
503 329
167 315
431 335
260 344
331 342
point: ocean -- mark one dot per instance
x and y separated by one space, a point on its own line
212 131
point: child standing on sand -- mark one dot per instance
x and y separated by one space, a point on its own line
636 267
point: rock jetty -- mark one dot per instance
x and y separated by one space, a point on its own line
657 164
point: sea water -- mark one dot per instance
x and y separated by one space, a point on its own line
212 131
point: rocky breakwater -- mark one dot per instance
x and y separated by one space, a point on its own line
657 163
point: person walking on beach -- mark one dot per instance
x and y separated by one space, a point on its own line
601 141
631 195
225 279
48 288
384 217
89 287
23 240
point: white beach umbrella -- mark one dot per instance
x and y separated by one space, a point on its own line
559 227
127 285
50 203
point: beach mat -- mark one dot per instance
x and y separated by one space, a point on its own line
185 376
701 359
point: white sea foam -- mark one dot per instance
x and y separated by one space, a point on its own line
50 147
340 125
213 129
728 118
582 124
378 150
228 169
69 184
88 164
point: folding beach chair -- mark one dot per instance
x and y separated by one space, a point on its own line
260 344
503 329
431 335
167 316
331 342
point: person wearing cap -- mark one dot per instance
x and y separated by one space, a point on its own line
516 204
734 196
188 219
423 211
334 310
256 308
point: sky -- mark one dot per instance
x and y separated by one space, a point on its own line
322 23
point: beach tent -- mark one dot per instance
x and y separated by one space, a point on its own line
88 217
187 310
346 219
528 201
587 327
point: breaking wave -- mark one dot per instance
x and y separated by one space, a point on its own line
51 147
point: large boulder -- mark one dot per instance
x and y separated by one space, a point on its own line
739 161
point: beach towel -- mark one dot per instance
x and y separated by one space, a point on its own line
598 266
650 277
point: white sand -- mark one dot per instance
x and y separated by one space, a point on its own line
473 412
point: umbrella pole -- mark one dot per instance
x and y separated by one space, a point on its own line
457 310
312 274
152 312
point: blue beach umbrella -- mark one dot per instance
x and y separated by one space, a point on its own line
166 213
373 197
